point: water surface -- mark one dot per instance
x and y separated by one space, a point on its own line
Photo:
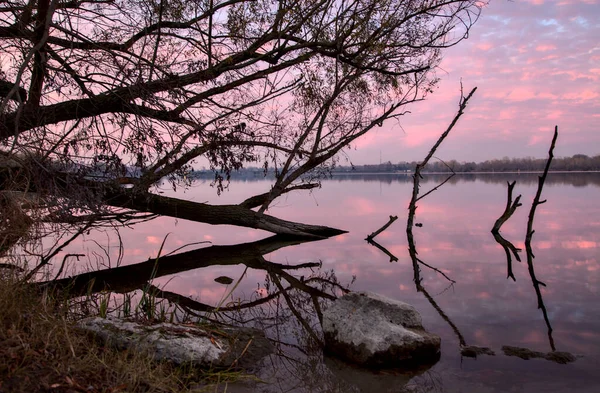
482 307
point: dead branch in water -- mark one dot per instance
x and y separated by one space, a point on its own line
508 247
509 210
412 207
529 235
383 228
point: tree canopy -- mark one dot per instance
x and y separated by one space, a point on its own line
97 93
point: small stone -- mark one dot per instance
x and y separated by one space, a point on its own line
224 280
472 351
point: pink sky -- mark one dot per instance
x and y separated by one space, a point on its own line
536 64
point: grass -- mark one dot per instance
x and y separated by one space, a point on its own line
41 350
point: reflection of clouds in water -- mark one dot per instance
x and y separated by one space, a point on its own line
578 244
488 309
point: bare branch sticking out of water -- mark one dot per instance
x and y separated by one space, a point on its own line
383 228
412 207
529 235
511 206
438 186
509 210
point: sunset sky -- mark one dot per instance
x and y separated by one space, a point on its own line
536 64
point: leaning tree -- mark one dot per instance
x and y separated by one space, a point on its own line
98 93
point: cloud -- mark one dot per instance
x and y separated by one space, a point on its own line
535 64
545 47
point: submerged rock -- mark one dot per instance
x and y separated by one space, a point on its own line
200 346
375 331
524 353
224 280
472 351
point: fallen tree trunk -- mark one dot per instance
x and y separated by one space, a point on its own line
67 185
214 214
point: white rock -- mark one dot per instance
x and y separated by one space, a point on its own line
372 330
181 343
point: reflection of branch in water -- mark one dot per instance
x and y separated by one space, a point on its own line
131 277
529 235
301 294
191 304
435 269
293 309
393 258
508 249
461 338
372 242
412 208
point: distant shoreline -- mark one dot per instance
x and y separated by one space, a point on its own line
457 173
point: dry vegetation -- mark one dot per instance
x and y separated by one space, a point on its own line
41 350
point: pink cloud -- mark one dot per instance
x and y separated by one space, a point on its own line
485 46
545 47
582 95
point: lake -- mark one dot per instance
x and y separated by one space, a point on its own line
482 307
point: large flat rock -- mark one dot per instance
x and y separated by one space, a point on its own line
197 345
375 331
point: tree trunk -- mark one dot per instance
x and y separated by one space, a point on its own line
69 186
214 214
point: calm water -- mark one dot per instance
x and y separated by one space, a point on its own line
481 308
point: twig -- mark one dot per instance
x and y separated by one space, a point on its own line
435 269
508 210
62 265
412 207
383 228
45 260
436 187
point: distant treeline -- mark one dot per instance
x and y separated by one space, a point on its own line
578 162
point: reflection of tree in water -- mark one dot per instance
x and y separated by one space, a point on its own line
509 248
530 179
412 249
536 202
287 308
